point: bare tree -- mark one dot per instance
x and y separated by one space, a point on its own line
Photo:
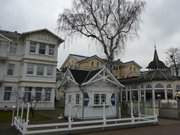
173 58
107 21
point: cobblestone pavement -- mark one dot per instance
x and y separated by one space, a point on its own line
165 127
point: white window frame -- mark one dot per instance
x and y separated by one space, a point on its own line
77 99
48 94
10 69
44 48
38 94
100 99
51 50
7 93
32 46
50 70
30 69
40 70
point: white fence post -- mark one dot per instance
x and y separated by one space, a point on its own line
132 114
17 113
22 111
13 110
69 117
27 114
104 114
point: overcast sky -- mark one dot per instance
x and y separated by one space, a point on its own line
160 24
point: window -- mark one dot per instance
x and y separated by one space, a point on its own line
69 98
99 99
27 94
51 50
7 93
32 47
30 69
38 94
92 63
96 99
77 98
10 69
42 48
103 98
40 70
49 70
12 48
47 94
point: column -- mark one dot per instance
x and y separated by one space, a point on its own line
165 93
126 94
139 101
153 101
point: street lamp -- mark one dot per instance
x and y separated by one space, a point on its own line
159 99
13 110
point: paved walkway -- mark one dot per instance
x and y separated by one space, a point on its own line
165 127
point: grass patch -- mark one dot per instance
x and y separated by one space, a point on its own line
39 116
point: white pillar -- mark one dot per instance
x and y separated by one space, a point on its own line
126 90
153 101
27 114
69 117
22 111
139 101
131 106
165 94
104 114
144 95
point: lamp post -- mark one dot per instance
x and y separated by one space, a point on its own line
159 99
13 110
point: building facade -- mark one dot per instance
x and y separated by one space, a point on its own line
151 86
119 69
28 68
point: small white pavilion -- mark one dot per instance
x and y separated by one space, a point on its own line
87 91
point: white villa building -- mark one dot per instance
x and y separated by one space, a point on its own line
28 68
87 92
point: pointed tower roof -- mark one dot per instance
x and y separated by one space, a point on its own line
156 63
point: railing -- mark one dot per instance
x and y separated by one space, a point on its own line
25 129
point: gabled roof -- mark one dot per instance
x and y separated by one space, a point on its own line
75 56
156 63
125 63
82 76
40 30
93 57
10 35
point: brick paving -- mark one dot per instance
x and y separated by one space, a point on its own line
165 127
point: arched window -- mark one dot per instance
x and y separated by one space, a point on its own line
159 85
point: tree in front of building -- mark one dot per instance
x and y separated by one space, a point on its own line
173 58
109 22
